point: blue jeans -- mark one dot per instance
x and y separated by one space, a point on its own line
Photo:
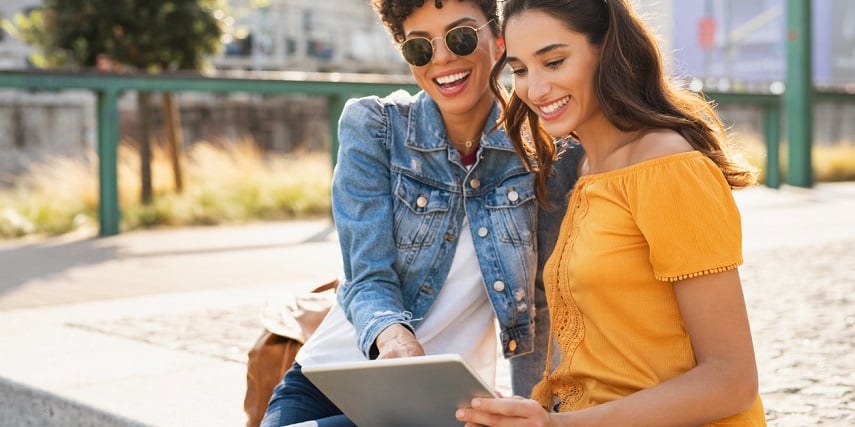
297 400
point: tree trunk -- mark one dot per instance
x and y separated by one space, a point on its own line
174 138
144 110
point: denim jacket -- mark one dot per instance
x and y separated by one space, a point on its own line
399 196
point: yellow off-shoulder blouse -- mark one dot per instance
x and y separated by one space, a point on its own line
627 236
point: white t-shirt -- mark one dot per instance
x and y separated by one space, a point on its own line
461 321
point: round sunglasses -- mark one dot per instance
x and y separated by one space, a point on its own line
461 41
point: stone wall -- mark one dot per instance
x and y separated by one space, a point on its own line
36 125
834 122
282 123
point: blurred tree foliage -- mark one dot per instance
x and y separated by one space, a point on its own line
150 35
134 35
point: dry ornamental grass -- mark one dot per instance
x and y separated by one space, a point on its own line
236 182
224 183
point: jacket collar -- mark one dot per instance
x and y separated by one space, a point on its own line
426 130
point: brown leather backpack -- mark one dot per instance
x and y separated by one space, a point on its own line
288 321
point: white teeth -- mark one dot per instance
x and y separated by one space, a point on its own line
551 108
444 80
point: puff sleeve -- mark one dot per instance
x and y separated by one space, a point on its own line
687 213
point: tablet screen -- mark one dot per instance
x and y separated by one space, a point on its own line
413 391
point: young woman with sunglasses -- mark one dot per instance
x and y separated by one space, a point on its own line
436 216
643 286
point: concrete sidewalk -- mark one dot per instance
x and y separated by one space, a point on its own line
152 327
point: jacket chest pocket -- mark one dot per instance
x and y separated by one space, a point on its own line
513 209
420 210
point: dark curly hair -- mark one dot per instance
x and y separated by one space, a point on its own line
393 13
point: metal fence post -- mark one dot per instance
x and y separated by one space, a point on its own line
108 153
772 131
799 94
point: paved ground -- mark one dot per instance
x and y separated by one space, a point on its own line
152 328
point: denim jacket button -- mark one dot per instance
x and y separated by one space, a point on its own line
513 196
482 232
512 346
475 183
421 201
498 286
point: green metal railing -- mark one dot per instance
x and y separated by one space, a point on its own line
337 88
770 105
774 108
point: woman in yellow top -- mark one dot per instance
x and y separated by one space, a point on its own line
644 293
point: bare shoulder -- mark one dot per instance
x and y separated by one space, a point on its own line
659 143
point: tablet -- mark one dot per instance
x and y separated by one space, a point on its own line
420 391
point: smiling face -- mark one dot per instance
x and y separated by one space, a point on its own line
458 84
553 70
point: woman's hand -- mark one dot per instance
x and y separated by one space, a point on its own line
398 341
503 412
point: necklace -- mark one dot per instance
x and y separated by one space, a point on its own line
465 146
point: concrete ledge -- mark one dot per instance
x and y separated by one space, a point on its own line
25 406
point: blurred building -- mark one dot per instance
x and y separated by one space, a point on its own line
726 44
731 45
307 35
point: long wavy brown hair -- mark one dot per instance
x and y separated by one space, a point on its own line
630 85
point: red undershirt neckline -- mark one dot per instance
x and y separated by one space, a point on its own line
469 159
